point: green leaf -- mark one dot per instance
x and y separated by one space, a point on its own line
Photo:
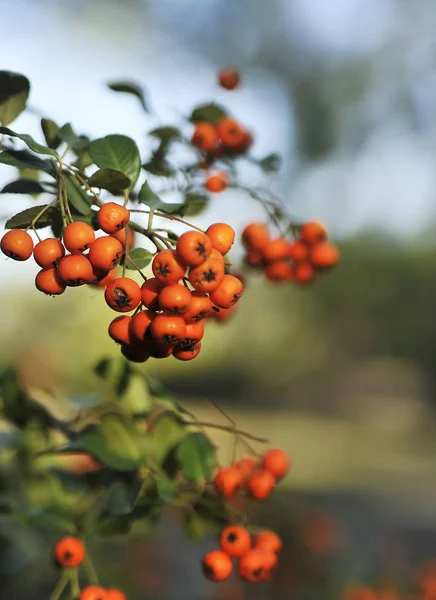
166 487
194 527
195 203
18 406
197 457
166 134
117 152
30 142
168 430
114 525
14 91
111 180
77 196
23 186
147 196
22 159
208 112
158 166
75 142
136 399
24 218
102 368
138 258
50 130
129 87
114 443
271 163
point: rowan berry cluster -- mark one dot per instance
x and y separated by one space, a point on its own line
257 477
70 553
257 558
300 260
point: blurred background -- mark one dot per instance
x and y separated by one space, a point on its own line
342 374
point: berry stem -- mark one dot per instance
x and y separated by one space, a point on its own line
170 217
60 586
75 584
39 215
227 428
90 571
127 257
36 233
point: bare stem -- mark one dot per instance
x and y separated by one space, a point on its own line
227 428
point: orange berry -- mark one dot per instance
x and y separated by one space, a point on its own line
313 232
186 352
228 292
222 236
123 294
254 258
228 481
298 251
217 565
48 253
229 78
112 217
277 462
270 561
261 484
279 270
150 291
276 249
223 314
304 273
156 348
268 540
255 236
78 237
121 236
104 278
49 282
217 181
140 323
17 244
201 307
75 270
208 276
105 253
246 143
168 329
135 352
230 131
360 592
69 552
93 592
247 467
193 247
166 267
175 299
80 463
251 566
119 329
194 331
324 255
235 540
113 594
205 136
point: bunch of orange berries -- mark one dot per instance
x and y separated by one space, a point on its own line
257 476
281 259
257 558
172 317
69 553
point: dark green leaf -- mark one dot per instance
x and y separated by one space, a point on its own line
77 196
166 487
271 163
117 152
50 130
194 527
18 406
111 180
195 203
102 368
84 159
208 112
14 91
123 379
158 166
22 159
168 430
23 186
136 399
68 136
138 258
173 236
129 87
166 134
114 525
25 217
197 457
29 141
